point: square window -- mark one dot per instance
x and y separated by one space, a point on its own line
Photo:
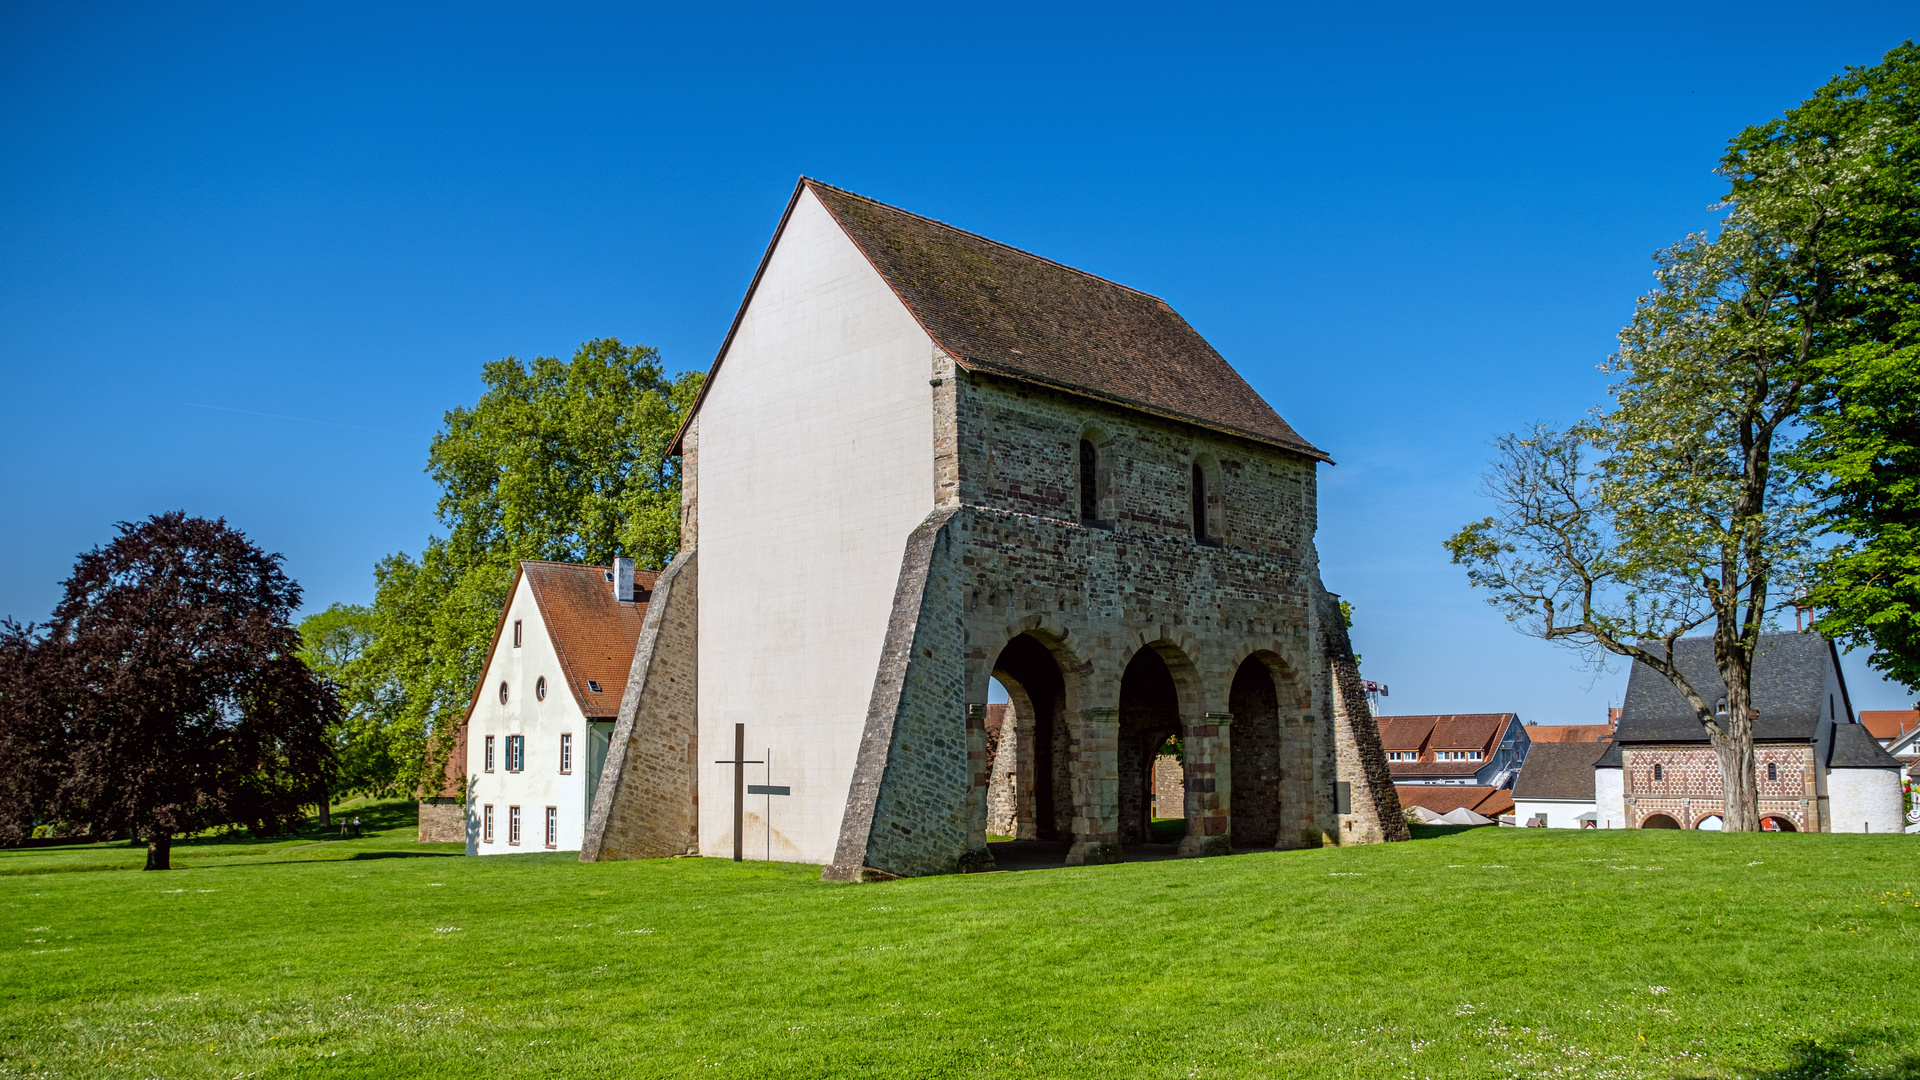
489 767
486 824
593 686
566 752
553 826
513 825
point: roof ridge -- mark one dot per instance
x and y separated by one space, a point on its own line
985 239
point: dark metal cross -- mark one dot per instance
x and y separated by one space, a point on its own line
739 764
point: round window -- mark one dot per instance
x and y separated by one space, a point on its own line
503 693
540 688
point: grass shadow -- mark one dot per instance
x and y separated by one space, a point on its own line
1429 832
360 856
1835 1059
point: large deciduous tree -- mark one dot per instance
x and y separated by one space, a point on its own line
174 699
559 459
1862 453
1671 510
367 754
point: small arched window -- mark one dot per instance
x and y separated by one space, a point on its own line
1089 481
1199 486
503 693
540 688
1773 771
1656 771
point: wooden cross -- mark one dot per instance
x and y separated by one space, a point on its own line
739 764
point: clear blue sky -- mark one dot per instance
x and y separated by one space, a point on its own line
250 253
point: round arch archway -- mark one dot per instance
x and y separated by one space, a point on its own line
1659 821
1030 765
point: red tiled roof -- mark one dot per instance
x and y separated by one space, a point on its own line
1564 733
1404 732
1002 311
1889 723
593 633
1470 731
1441 798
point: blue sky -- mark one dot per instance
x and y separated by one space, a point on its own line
249 254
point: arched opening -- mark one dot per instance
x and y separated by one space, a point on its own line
1030 761
1256 797
1198 489
1710 823
1659 821
1095 480
1149 716
1776 824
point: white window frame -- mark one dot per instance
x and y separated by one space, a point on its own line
486 824
513 826
553 826
489 755
566 753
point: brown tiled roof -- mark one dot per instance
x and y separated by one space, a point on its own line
1404 732
593 633
1002 311
1566 733
1889 723
1441 798
1410 769
1470 731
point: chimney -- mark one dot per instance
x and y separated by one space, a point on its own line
623 580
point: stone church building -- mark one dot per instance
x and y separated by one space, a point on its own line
922 460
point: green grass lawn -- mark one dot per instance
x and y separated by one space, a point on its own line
1489 952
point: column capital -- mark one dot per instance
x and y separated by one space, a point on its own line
1103 716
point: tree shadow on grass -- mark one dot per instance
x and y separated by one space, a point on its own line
1430 832
360 856
1835 1059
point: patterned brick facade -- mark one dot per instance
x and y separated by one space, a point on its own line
1689 789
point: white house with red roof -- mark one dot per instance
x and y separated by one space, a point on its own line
540 718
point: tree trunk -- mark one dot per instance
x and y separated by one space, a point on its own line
1739 780
326 807
160 851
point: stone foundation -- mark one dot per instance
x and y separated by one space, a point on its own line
442 821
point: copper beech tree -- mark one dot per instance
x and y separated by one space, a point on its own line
168 694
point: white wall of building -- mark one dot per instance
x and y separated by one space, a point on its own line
1560 813
1610 798
542 723
1864 800
815 463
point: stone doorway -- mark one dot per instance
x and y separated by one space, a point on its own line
1029 796
1149 716
1256 797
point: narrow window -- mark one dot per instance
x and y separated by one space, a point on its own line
1656 772
1089 481
516 633
516 753
566 752
540 688
503 693
1199 504
489 753
1773 771
553 826
513 825
486 824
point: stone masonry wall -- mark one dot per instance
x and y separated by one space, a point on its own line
648 799
442 821
1013 557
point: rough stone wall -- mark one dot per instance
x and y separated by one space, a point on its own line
1169 787
442 821
1011 556
1004 787
914 806
1373 813
647 804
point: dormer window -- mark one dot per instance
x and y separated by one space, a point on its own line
593 686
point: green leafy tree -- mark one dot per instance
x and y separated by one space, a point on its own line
1672 510
367 761
562 460
1862 453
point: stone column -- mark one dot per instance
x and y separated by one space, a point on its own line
979 771
1094 770
1209 784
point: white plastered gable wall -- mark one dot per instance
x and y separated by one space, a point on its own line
816 461
541 784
